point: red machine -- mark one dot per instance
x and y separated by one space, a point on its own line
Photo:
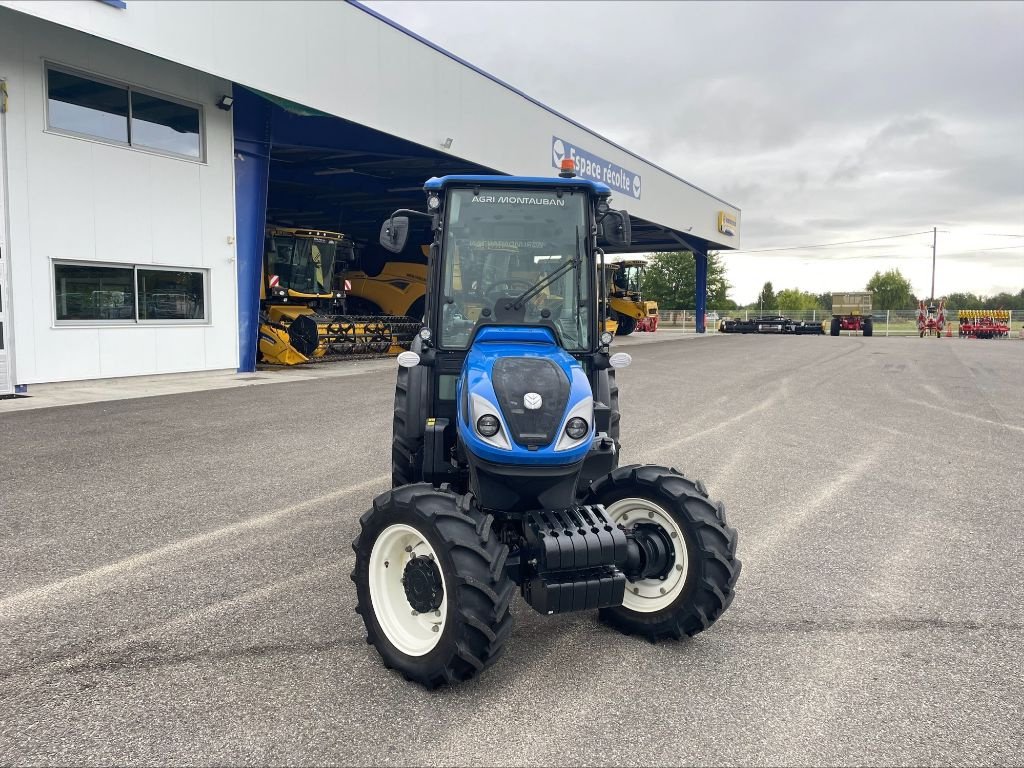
931 320
984 323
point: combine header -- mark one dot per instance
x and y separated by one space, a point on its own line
984 323
770 324
302 312
931 320
852 312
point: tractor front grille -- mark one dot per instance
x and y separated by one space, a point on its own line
514 378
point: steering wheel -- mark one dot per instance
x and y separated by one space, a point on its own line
504 287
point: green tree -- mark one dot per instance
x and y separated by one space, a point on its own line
794 298
890 290
671 279
766 299
963 301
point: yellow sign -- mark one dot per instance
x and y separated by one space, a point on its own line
726 223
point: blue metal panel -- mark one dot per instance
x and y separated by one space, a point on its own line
595 187
252 170
701 258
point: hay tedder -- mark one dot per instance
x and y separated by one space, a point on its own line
984 323
302 303
931 319
505 446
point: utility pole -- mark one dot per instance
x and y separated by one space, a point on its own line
935 235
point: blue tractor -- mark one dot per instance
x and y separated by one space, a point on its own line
505 451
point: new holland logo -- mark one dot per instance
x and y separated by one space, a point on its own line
532 400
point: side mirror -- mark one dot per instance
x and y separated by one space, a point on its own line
616 230
394 232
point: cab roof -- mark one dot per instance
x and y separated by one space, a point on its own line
436 184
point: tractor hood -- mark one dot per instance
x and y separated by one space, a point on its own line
521 376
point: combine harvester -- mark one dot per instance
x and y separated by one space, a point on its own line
770 324
627 309
302 309
931 319
984 323
852 312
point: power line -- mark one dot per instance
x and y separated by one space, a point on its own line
832 245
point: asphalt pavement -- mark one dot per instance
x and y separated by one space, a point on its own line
174 575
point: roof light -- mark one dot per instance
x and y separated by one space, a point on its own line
568 168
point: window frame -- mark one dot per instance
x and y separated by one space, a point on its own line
135 322
129 89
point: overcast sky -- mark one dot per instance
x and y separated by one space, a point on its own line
823 122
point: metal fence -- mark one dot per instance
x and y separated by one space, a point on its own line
891 322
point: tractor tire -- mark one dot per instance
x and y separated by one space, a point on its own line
627 325
701 584
868 327
834 328
431 585
408 426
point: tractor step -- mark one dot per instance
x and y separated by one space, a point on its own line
573 555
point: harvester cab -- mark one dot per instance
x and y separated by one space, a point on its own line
505 446
302 308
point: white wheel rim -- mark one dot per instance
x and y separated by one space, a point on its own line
649 595
414 634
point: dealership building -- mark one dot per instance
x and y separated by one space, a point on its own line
146 145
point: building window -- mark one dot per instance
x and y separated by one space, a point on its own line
122 114
166 294
86 107
87 293
94 293
165 126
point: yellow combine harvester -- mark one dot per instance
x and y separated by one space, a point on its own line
628 311
302 310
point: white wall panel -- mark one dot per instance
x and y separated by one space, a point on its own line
376 75
83 200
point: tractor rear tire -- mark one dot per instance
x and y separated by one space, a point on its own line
431 585
627 325
868 327
408 426
701 584
834 328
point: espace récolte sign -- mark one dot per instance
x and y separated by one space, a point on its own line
590 166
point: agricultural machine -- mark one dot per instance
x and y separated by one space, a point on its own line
505 446
770 324
984 323
931 319
302 307
627 309
852 312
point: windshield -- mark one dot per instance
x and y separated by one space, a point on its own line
305 265
500 244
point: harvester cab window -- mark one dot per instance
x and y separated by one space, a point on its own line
303 265
501 244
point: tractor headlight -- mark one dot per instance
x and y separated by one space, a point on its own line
488 425
606 338
577 428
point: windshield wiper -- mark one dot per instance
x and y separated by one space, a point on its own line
544 282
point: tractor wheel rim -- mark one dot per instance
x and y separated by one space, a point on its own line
411 632
649 595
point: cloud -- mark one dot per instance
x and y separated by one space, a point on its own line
823 121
